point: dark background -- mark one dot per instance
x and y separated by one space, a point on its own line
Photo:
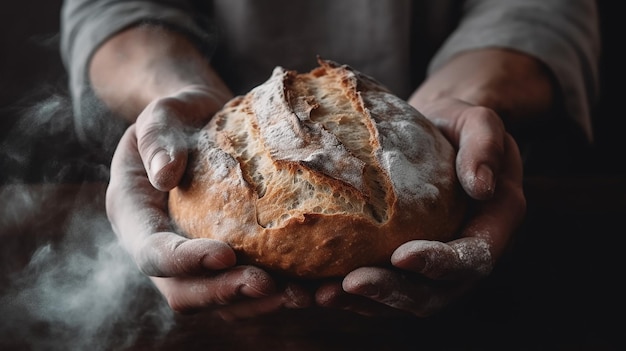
560 283
29 32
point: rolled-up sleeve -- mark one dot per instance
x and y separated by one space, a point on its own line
86 24
564 34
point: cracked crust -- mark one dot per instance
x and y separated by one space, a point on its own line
313 175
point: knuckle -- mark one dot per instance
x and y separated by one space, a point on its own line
162 108
157 255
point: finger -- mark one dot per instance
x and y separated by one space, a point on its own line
466 257
421 298
332 295
497 220
188 294
293 296
481 147
162 144
134 208
167 255
478 133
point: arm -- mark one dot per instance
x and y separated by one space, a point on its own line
157 79
518 87
561 35
146 63
85 26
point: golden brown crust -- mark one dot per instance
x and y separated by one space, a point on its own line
313 175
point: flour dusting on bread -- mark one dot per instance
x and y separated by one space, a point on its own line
324 171
307 144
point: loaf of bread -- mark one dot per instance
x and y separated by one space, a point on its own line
315 174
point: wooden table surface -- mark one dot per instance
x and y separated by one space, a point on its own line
66 285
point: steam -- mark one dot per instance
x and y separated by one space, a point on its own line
65 283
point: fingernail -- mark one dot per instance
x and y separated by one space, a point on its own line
159 160
484 175
251 291
369 290
212 262
419 263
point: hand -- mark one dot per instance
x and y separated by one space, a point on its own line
430 274
191 274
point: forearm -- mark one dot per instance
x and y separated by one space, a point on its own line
562 34
147 62
518 87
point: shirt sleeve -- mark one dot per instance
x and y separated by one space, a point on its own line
564 34
86 24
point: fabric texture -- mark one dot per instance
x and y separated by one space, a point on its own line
398 42
85 25
563 34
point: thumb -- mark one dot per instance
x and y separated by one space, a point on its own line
162 145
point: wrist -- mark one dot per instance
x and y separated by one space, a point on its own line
146 63
516 86
193 104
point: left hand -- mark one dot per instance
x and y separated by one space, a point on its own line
191 274
433 274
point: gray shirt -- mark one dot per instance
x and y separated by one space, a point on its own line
396 41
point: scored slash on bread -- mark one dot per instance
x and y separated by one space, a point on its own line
315 174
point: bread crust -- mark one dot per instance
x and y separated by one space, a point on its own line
313 175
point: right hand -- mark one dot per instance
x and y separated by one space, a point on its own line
191 274
432 275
